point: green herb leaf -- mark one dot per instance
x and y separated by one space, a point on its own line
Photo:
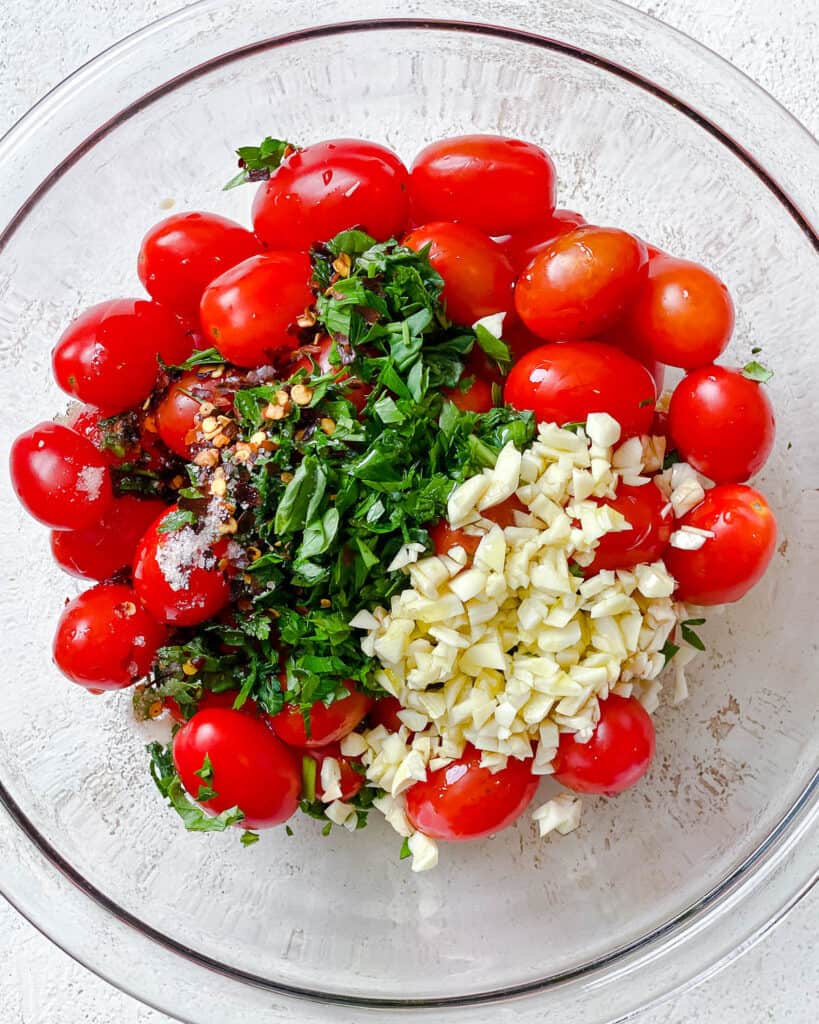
756 371
205 773
495 348
288 830
176 520
577 570
405 850
301 497
308 778
671 458
257 162
575 426
668 650
202 357
756 350
354 243
249 838
170 786
688 634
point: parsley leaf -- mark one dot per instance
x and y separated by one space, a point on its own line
176 520
756 371
257 162
249 838
405 850
170 786
668 650
688 634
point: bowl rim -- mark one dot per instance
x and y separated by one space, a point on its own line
780 845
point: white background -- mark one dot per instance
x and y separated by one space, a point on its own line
776 42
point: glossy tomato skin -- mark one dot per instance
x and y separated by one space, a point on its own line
522 247
581 284
178 414
249 313
464 801
190 593
520 339
352 782
327 724
564 383
385 712
732 561
182 254
108 356
622 337
99 551
722 423
208 700
59 477
683 313
105 639
476 398
329 187
493 183
478 277
652 523
617 755
251 769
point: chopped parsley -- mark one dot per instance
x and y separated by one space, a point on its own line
257 162
170 786
756 371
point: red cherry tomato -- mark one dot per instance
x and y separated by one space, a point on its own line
60 477
249 313
646 509
181 255
352 782
250 768
97 552
465 801
476 398
444 537
622 337
522 247
564 383
617 755
177 415
208 700
477 276
683 313
357 391
331 186
496 184
581 284
520 339
105 639
736 557
108 356
177 574
327 724
722 423
385 712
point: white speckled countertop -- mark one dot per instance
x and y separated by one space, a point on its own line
776 42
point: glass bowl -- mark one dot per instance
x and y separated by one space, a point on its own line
657 888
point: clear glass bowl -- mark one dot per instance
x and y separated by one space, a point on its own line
658 887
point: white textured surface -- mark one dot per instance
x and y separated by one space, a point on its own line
777 43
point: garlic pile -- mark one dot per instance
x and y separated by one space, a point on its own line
509 650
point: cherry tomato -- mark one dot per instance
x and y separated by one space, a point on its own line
476 398
465 801
249 313
564 383
520 339
327 724
208 700
622 337
385 711
181 255
60 477
736 557
496 184
581 284
108 356
617 755
328 187
352 782
98 551
357 391
683 313
178 415
646 509
477 276
444 537
105 639
249 767
179 574
722 423
522 247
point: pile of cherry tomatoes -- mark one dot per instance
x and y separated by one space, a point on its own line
592 316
